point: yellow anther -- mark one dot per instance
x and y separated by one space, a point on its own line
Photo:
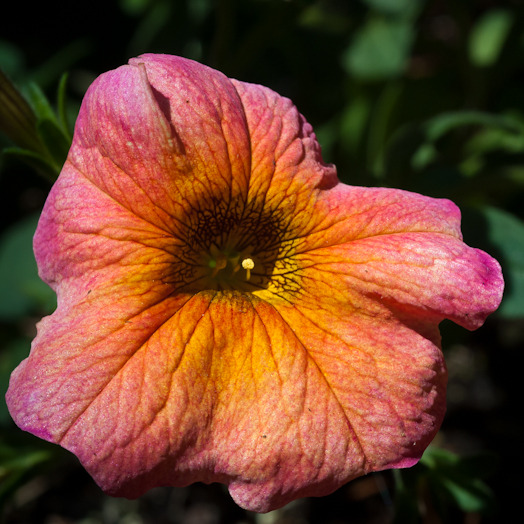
248 265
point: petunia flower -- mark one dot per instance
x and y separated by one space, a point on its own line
227 310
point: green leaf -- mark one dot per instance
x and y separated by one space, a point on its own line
380 49
17 119
505 137
42 140
54 136
11 355
379 124
55 141
21 290
488 37
437 127
456 480
405 8
506 234
39 103
470 494
15 465
354 119
445 122
434 457
62 108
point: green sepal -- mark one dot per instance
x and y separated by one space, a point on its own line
17 118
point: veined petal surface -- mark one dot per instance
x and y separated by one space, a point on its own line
227 310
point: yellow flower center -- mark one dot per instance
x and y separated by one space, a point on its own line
229 269
235 247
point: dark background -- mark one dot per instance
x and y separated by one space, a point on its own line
422 95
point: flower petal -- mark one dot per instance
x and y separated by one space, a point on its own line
348 213
387 376
287 170
330 369
236 411
207 117
137 143
427 276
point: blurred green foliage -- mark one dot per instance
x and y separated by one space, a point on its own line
444 481
27 293
424 95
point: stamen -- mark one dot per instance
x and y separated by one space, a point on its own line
248 265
